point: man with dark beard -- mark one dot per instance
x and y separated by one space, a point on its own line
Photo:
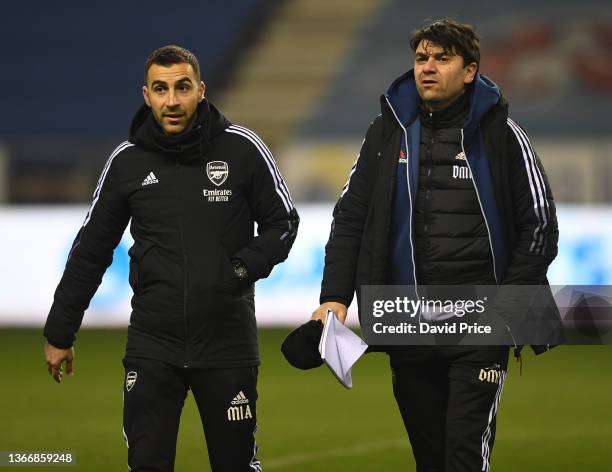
193 185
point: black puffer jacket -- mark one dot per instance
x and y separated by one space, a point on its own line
450 234
193 200
514 197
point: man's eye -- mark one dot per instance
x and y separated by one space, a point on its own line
158 90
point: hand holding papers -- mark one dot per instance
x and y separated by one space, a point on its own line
340 348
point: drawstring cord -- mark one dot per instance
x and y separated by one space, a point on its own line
517 352
519 359
201 131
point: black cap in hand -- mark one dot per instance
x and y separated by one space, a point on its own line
301 346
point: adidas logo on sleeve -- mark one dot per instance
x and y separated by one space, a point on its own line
150 179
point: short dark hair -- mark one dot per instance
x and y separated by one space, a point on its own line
172 54
454 37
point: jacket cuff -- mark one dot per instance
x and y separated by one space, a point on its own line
254 262
243 282
59 344
541 349
345 301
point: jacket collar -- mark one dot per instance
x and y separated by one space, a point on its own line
453 116
190 146
404 99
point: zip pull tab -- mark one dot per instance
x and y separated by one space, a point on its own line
517 352
519 359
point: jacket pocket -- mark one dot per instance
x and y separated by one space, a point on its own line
227 280
137 276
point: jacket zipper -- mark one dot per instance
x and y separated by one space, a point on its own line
409 193
487 225
185 267
477 196
481 209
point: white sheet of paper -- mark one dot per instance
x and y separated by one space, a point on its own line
340 348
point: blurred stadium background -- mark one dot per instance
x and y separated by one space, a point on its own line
306 75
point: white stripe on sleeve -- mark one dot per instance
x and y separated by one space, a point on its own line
348 182
270 158
537 188
539 177
96 195
279 184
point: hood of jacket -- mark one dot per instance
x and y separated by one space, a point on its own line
189 146
405 101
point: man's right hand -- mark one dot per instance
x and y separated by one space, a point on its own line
55 357
321 313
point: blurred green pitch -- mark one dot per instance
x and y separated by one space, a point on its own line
556 417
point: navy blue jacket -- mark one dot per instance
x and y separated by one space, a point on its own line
512 188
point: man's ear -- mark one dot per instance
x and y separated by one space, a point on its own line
145 95
470 73
201 91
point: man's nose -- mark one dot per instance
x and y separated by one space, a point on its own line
430 65
172 101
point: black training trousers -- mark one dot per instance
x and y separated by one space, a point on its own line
153 396
448 397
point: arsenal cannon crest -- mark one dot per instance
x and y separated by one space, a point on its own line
217 172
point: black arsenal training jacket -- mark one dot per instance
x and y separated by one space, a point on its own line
193 200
